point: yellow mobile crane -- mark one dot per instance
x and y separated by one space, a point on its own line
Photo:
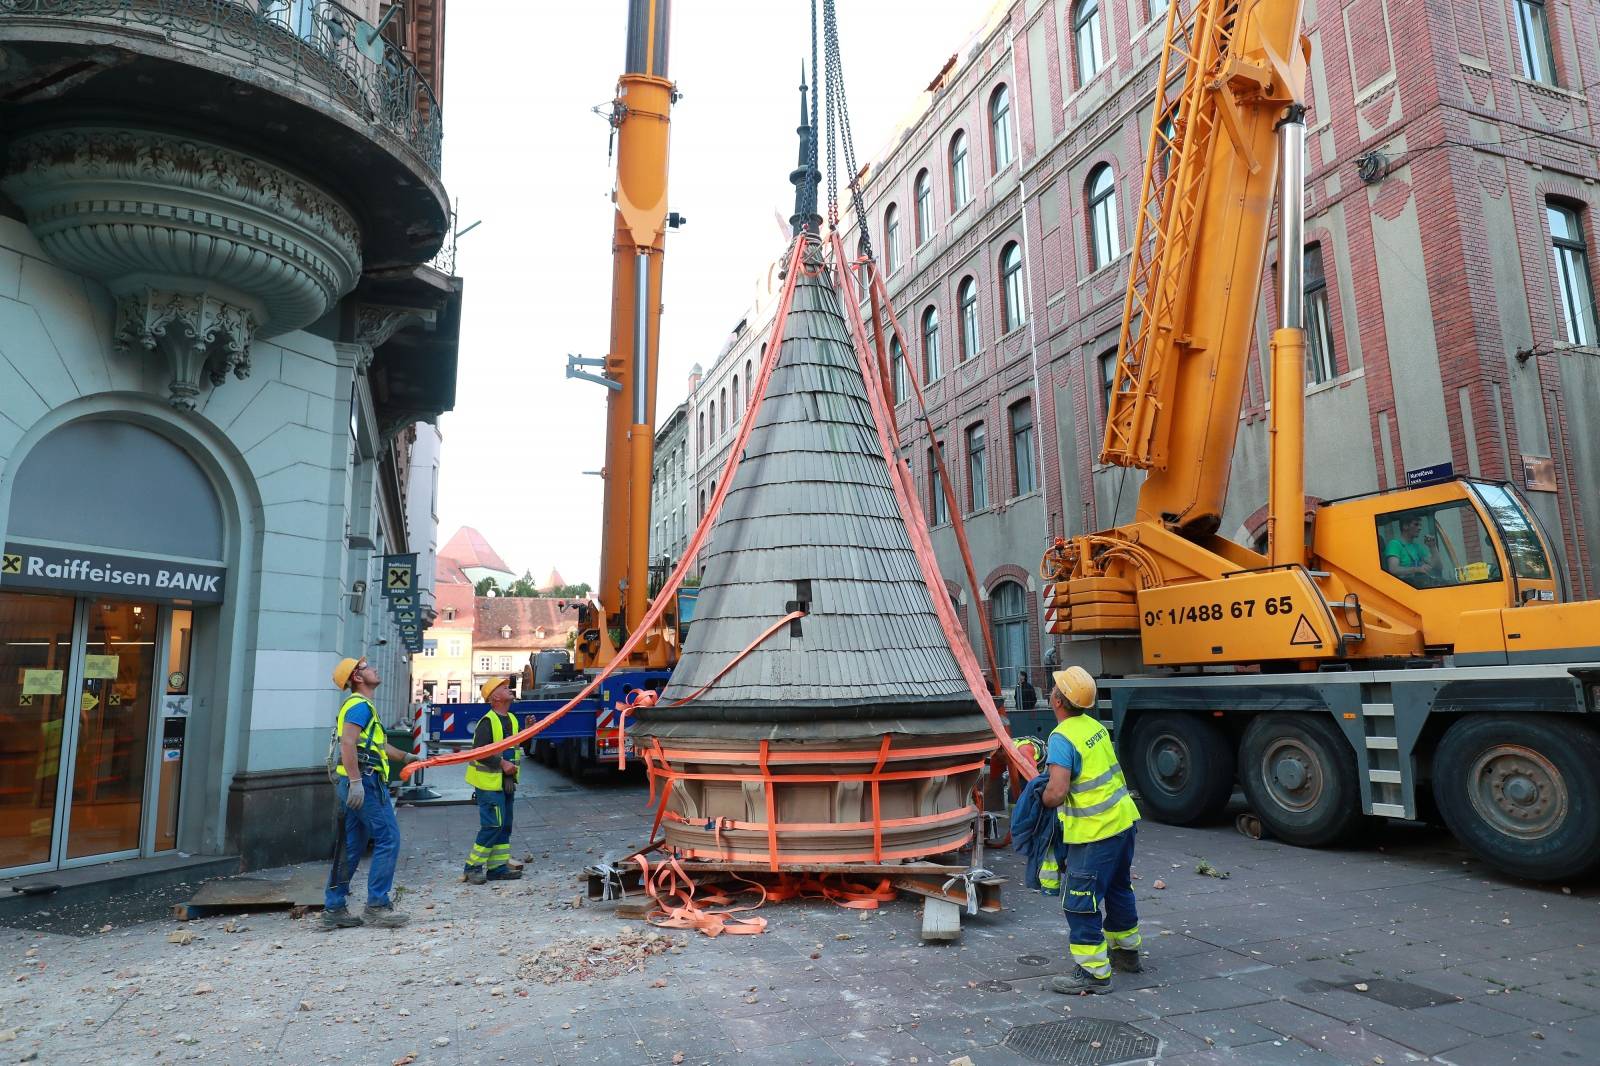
1383 643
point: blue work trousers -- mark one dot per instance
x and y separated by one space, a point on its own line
1099 877
374 822
492 848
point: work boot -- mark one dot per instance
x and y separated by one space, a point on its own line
475 875
1080 982
386 917
1126 960
339 919
504 873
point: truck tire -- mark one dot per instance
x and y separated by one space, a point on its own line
567 757
1522 792
1181 765
1299 774
544 753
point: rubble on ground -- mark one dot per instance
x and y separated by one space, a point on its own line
589 958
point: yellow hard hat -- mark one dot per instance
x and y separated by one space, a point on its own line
1075 684
342 672
490 685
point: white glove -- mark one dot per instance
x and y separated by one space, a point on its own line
356 795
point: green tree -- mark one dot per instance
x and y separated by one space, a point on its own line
523 586
482 587
569 592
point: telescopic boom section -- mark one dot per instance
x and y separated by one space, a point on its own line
641 115
1199 248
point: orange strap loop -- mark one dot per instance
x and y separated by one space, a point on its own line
752 646
712 915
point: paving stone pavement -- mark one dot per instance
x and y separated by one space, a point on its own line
1403 951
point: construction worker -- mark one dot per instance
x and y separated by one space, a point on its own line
1098 822
494 787
361 754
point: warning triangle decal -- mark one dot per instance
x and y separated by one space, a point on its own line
1304 633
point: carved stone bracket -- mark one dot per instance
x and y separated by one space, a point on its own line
196 333
376 323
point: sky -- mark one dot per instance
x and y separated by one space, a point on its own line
524 154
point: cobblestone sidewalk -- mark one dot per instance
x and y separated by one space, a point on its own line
1403 952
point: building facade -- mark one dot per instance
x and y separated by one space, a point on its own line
1450 309
669 488
218 328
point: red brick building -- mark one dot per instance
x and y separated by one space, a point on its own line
1451 174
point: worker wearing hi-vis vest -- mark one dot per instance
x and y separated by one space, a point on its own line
494 787
360 754
1098 822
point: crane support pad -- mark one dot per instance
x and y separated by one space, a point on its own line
1252 617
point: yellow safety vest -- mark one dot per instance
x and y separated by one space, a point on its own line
371 750
480 778
1098 805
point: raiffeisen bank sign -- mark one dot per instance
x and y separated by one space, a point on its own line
41 566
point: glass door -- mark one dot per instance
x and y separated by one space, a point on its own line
35 663
112 749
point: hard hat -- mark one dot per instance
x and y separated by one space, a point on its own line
1076 685
342 672
490 685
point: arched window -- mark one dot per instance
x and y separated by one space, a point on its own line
897 367
931 368
1000 127
1087 43
924 208
1008 618
1105 243
891 239
700 433
960 180
750 379
967 305
1012 312
702 505
736 406
713 421
722 427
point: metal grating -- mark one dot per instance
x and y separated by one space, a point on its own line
1033 960
1081 1042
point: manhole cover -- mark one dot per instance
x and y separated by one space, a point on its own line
1033 960
1402 994
1081 1042
995 986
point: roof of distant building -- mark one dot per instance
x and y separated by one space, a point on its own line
554 581
469 548
520 622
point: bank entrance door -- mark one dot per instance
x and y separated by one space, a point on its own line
78 712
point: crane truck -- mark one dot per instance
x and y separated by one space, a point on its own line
1407 653
593 735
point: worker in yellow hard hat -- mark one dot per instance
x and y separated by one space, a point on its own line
359 755
1098 822
494 787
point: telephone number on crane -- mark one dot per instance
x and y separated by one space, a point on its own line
1218 612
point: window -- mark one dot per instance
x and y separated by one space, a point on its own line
931 368
430 648
1105 243
863 273
700 433
485 664
1086 42
1437 547
1158 8
449 614
1008 616
702 505
736 406
1169 133
504 663
924 208
1012 312
750 379
897 365
1572 273
977 469
967 301
1023 479
722 427
455 649
1320 364
938 510
891 239
1533 35
713 421
1000 127
1108 376
960 181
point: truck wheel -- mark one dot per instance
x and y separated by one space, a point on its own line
1181 765
1299 774
544 753
1522 792
567 757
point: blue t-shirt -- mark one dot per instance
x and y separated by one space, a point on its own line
1062 753
359 715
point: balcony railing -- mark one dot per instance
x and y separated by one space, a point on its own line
319 44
